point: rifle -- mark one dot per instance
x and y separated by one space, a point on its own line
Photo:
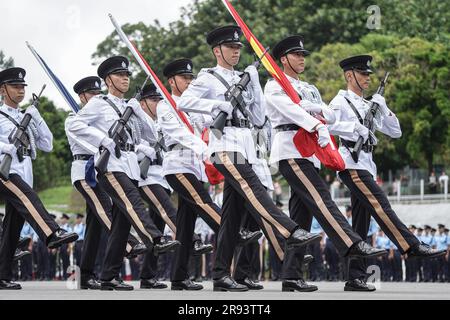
368 120
19 138
118 134
234 96
145 164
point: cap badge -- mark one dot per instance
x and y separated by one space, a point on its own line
189 67
301 44
236 36
368 63
20 75
124 65
97 84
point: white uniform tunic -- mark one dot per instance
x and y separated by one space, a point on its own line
206 91
78 146
44 142
346 121
281 110
92 124
155 172
189 158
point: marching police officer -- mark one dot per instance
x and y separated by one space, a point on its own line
310 195
185 171
234 152
22 202
92 124
351 108
155 191
98 203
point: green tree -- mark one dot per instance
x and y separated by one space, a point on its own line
53 169
5 62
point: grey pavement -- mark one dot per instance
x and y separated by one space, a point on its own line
58 290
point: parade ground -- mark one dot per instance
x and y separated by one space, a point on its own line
46 290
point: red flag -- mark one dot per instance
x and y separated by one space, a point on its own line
305 142
210 170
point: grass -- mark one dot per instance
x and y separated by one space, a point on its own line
62 199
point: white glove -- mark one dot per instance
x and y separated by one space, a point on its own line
9 149
108 144
311 106
146 150
224 106
136 106
34 113
254 76
324 136
379 99
362 131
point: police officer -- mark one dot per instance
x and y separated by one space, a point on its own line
234 152
185 171
156 192
350 108
22 202
310 195
441 244
98 203
92 124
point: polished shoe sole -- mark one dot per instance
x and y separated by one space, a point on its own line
168 249
17 288
254 238
187 289
317 237
222 289
59 243
20 256
358 289
288 289
153 287
205 251
115 288
251 288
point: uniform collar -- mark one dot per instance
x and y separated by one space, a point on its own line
115 99
226 71
291 79
10 110
354 96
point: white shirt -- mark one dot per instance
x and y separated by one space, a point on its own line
206 91
188 159
44 142
92 124
77 146
346 121
281 110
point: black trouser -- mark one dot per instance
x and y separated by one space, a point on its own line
332 259
310 197
193 201
65 259
128 209
396 262
242 185
78 251
98 216
162 212
368 199
247 257
22 203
